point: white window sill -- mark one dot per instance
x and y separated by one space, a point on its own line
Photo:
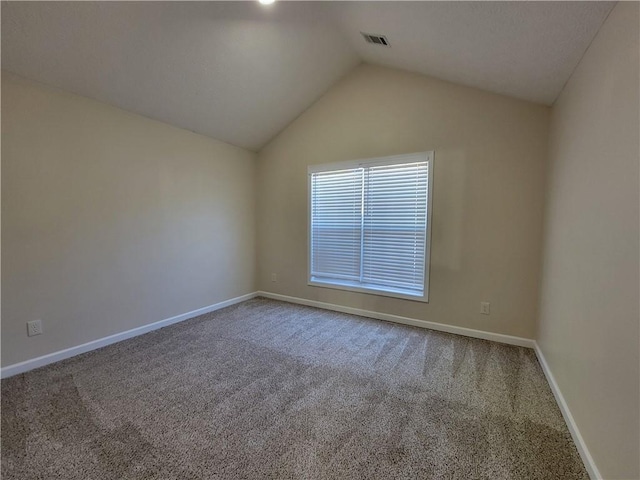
380 291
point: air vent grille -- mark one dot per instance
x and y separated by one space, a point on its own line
376 39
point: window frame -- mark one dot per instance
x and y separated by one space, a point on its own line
428 157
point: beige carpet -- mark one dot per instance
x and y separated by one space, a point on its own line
266 389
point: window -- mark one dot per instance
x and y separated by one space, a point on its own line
370 225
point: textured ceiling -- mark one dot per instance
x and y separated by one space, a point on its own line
524 49
240 72
234 71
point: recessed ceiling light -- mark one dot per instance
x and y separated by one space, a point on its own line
266 2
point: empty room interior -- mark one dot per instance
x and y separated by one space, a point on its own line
320 240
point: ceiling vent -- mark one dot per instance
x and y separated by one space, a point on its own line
376 39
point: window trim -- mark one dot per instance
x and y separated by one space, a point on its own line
427 156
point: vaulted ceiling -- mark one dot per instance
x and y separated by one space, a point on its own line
240 72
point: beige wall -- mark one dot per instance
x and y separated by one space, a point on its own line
589 321
111 221
490 155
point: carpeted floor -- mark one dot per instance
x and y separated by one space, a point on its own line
265 389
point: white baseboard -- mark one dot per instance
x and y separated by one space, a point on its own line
27 365
467 332
587 459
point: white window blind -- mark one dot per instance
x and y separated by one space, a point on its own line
370 225
337 224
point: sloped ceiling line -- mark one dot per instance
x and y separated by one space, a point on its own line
240 73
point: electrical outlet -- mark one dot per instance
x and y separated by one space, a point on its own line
274 277
485 308
34 327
